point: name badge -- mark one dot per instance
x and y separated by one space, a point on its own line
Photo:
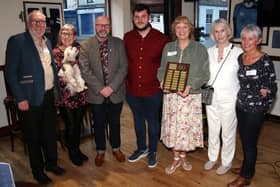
252 72
171 53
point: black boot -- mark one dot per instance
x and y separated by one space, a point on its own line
82 155
75 158
42 178
72 119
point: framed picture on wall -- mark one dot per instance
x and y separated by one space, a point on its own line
275 38
273 47
242 13
53 13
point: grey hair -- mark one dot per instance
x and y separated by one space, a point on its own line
252 29
224 24
30 15
69 27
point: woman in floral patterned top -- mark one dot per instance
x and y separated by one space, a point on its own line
181 127
72 106
257 77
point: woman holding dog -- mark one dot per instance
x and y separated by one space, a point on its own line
72 106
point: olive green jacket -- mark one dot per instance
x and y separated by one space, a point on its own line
194 54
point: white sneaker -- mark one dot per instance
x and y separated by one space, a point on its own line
209 165
223 169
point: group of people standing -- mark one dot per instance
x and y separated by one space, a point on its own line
133 69
244 88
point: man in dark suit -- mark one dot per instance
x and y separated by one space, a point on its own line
32 77
104 66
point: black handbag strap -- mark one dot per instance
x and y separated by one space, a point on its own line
222 65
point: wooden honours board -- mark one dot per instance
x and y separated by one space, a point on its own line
176 76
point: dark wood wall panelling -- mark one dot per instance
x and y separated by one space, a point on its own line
170 8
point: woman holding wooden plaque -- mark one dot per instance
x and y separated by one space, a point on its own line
182 111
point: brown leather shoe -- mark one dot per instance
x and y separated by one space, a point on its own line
119 156
99 159
239 182
235 170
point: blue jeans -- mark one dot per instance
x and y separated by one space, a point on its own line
146 108
250 124
104 115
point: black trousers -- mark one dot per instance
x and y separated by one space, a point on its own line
103 115
72 119
250 124
39 128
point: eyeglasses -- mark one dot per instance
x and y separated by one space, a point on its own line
38 22
67 34
106 26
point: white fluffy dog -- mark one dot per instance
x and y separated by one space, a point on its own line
72 74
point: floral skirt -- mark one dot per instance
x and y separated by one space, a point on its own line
182 122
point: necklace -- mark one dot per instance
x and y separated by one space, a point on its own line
221 48
220 54
251 58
